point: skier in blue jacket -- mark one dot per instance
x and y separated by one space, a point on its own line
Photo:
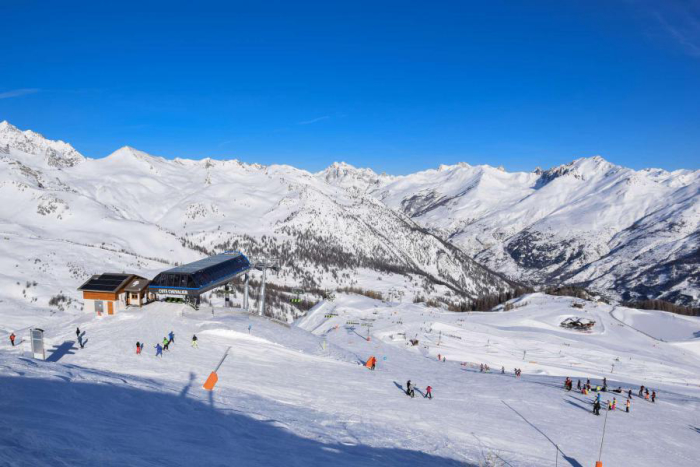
171 336
159 350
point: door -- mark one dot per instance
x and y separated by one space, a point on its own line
99 307
110 308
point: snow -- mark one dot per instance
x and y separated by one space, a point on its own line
299 394
284 396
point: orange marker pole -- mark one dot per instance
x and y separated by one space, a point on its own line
213 377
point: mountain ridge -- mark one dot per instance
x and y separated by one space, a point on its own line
588 222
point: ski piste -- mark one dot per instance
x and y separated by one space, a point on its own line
281 396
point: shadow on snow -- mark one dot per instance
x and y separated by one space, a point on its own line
75 423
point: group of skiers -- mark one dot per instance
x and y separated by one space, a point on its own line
170 339
411 390
612 404
517 372
167 341
483 368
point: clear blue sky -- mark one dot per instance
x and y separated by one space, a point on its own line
396 86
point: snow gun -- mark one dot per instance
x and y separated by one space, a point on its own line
213 377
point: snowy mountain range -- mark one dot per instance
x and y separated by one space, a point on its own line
136 212
631 234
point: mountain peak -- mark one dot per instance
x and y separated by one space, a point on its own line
56 153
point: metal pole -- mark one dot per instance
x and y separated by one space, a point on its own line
262 293
245 292
600 454
222 360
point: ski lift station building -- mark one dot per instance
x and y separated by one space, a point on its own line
191 280
111 292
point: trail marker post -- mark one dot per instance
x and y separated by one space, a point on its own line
600 453
213 377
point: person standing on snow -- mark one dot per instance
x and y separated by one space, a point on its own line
627 406
614 405
503 370
138 348
171 337
165 343
428 393
596 407
653 396
159 350
409 389
194 341
77 333
12 339
629 394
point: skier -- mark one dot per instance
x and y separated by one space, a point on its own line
194 341
641 390
597 398
409 389
614 406
77 332
428 393
159 350
627 406
605 381
629 394
646 393
12 339
578 385
171 338
503 370
610 405
165 343
138 348
596 407
481 368
439 357
444 359
653 396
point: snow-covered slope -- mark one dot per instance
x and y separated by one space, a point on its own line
628 234
301 396
631 234
142 213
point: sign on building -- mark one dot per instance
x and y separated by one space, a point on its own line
37 337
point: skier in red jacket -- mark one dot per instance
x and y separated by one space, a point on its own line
428 392
12 339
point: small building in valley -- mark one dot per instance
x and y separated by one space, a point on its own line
107 293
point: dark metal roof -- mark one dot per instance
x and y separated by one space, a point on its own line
204 263
203 275
109 282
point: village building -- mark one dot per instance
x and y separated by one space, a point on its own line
107 293
137 293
